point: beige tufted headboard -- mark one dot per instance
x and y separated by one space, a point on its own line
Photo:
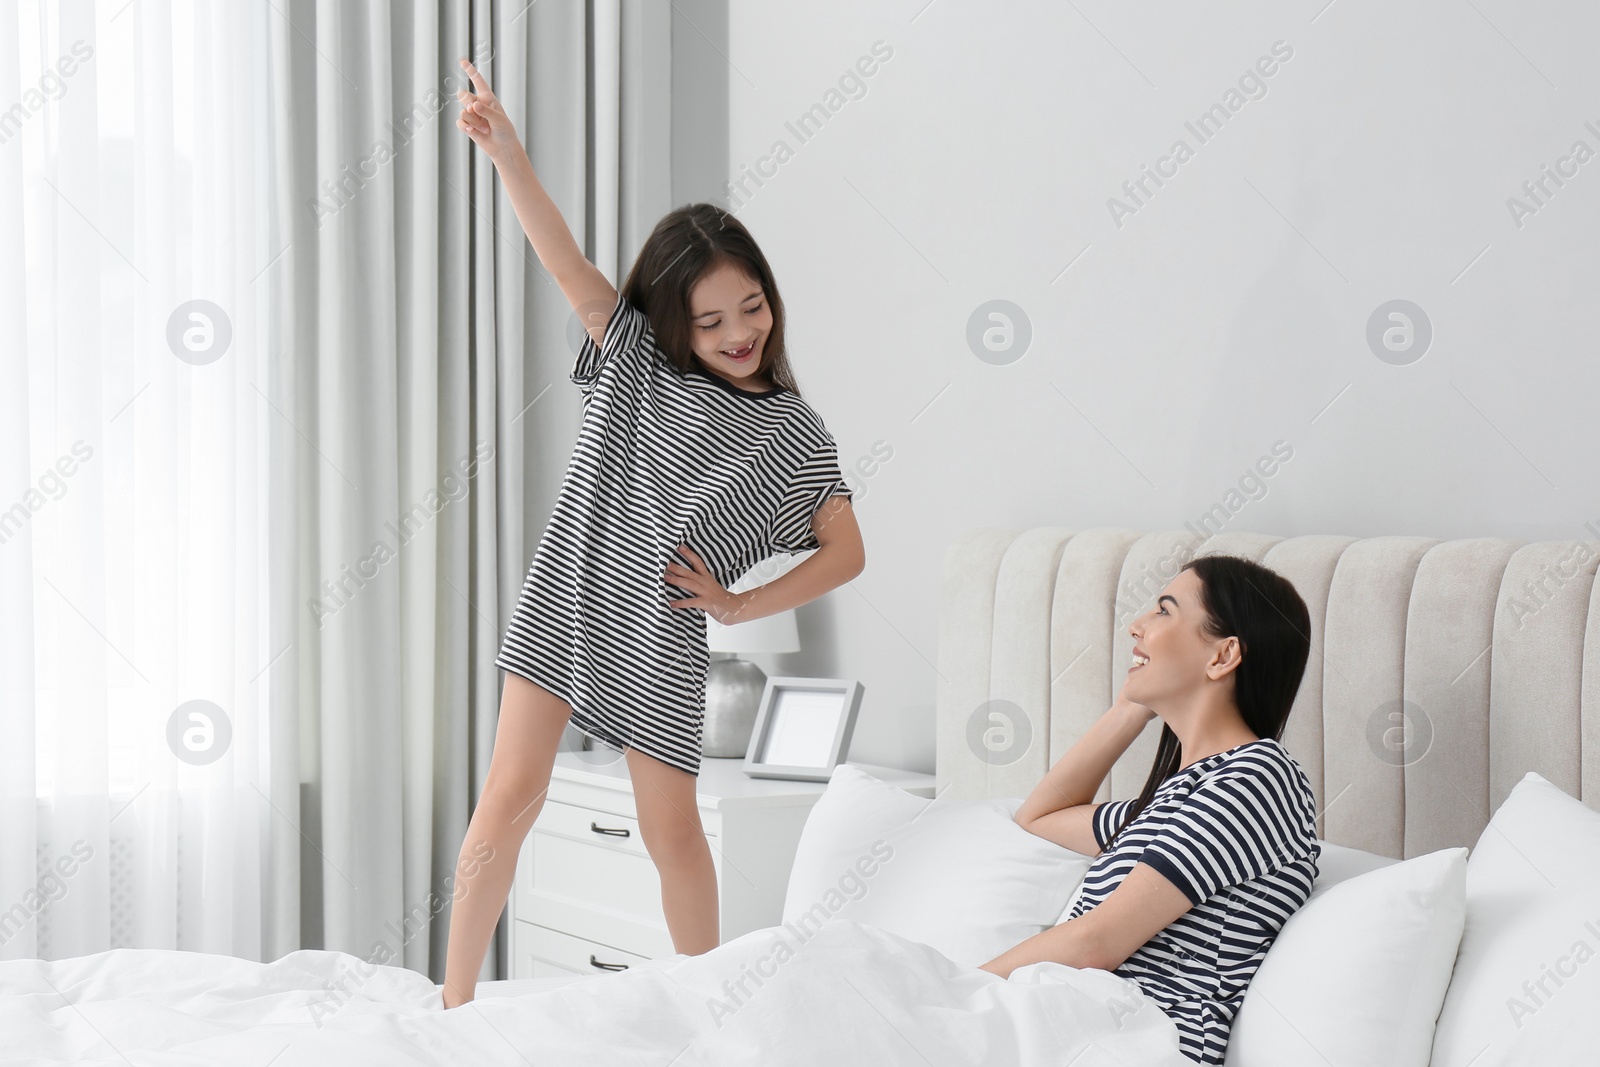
1440 671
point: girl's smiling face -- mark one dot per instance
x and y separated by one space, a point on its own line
729 320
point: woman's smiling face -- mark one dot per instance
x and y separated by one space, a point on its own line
1178 651
729 320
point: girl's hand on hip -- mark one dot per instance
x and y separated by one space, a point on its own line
483 119
709 595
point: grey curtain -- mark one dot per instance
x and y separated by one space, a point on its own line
423 417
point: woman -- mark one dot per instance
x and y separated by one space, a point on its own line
1195 877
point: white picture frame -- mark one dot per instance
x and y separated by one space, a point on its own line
803 727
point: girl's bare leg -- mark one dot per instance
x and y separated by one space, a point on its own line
525 743
669 822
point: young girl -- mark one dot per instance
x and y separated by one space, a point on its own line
1196 876
696 459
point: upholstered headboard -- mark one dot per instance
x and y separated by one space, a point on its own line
1440 671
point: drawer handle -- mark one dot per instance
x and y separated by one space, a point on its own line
620 831
606 966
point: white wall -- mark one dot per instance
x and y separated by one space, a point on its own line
1226 314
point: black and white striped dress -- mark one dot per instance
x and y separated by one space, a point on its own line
662 458
1236 832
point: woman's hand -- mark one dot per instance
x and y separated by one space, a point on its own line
709 596
1142 713
483 119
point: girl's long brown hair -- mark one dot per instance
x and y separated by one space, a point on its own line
688 243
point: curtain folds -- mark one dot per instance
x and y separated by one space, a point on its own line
423 350
283 411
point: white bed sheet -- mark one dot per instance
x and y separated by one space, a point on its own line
521 987
845 994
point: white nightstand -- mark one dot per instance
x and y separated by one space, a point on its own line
586 897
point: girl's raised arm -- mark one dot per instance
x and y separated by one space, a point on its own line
485 121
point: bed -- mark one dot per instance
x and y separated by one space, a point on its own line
1450 681
1449 722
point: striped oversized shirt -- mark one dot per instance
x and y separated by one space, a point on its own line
1236 832
661 458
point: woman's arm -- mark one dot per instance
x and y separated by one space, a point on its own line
1143 904
486 122
1076 776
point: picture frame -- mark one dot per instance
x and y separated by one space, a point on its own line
803 727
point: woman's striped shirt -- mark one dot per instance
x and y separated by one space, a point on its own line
662 458
1236 832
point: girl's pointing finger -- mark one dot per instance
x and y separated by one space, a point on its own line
478 81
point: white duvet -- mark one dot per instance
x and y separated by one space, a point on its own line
846 994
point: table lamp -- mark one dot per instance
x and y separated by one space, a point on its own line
734 686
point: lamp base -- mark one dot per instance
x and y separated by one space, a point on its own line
733 696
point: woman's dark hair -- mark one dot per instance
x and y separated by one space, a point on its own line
1243 599
687 244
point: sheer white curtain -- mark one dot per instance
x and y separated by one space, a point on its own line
136 805
193 193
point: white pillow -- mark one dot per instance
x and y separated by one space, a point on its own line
1339 863
853 811
1527 980
958 875
1356 976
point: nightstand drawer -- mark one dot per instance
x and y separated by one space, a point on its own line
545 953
586 825
606 879
595 891
582 891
